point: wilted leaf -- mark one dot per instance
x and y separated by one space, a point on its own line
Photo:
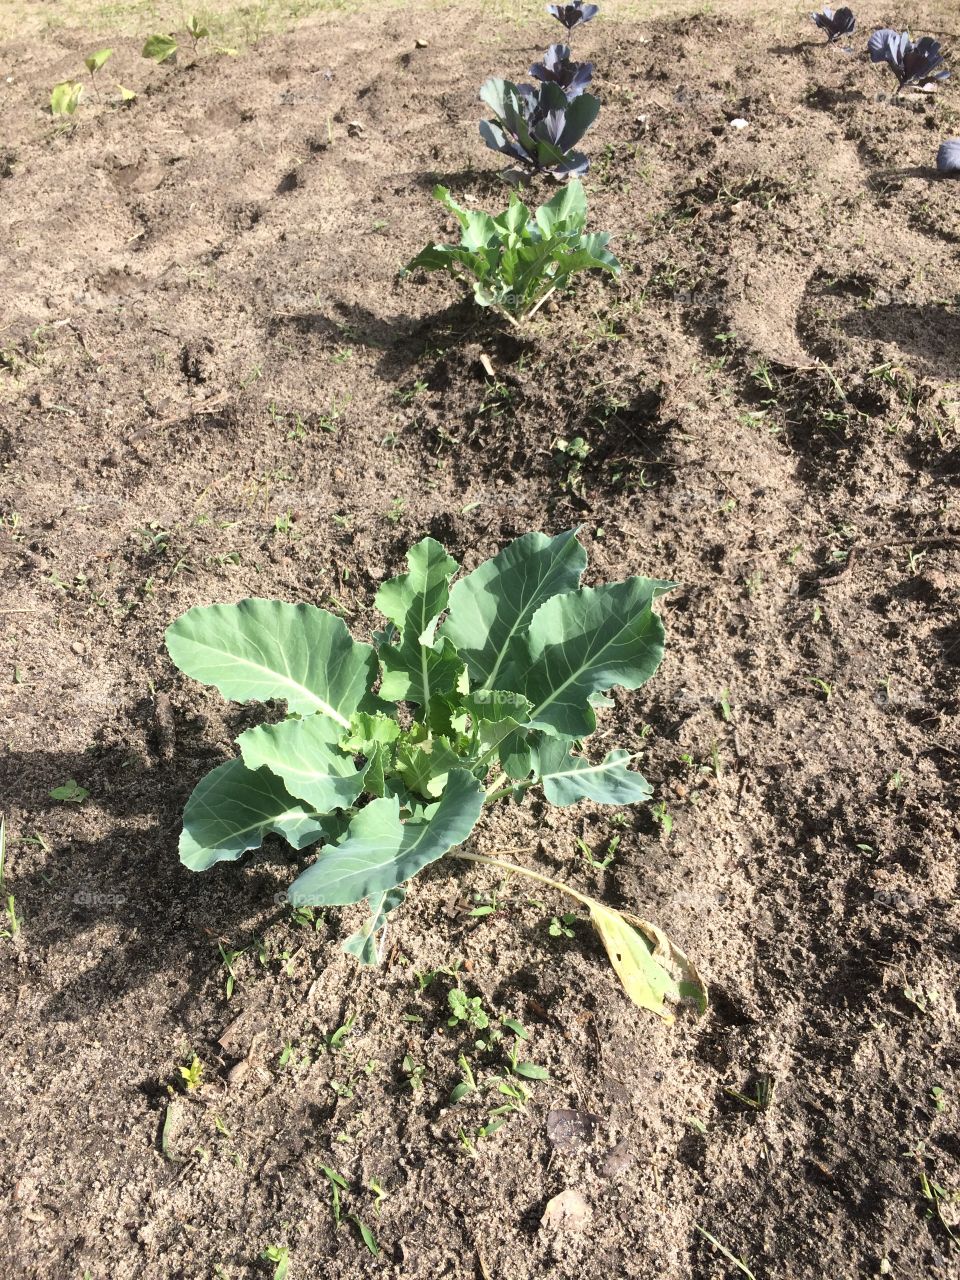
640 954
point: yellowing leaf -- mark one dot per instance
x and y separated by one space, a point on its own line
645 961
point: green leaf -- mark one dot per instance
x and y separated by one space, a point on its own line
233 808
159 48
566 211
416 668
530 1071
379 852
305 756
65 98
96 60
368 731
492 607
70 792
263 649
375 774
568 778
127 95
585 642
641 953
424 766
363 943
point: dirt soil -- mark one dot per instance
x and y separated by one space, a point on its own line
214 384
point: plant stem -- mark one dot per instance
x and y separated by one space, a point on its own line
522 871
531 314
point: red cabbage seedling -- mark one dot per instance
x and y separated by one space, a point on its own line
573 15
948 157
537 127
910 63
558 68
841 23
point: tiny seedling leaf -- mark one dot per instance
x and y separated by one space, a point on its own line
96 60
69 792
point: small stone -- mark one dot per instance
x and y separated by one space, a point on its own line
566 1212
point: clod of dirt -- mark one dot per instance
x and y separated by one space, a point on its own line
569 1130
566 1212
617 1160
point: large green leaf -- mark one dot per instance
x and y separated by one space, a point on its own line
568 206
568 778
491 608
262 649
379 851
585 642
233 808
416 669
305 756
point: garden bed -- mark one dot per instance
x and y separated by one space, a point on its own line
214 384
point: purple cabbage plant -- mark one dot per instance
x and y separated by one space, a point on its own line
573 15
558 68
537 127
841 23
910 63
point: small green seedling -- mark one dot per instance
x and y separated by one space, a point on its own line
472 693
93 63
279 1255
69 792
519 259
229 958
192 1075
562 926
468 1083
197 31
466 1011
13 924
414 1072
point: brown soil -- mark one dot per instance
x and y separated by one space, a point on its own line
213 384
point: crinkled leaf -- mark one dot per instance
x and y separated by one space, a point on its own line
363 943
305 756
367 731
379 852
416 668
645 961
424 766
586 642
233 808
492 607
568 778
263 649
